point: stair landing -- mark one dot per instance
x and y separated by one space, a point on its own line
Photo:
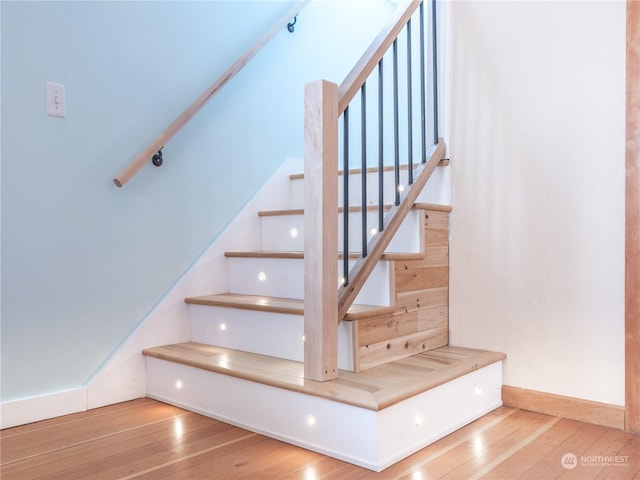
372 419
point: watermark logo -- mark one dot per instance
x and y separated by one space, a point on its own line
569 461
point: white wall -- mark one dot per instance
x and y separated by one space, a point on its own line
84 262
537 149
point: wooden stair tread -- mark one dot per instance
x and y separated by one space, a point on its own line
387 168
373 389
300 211
297 255
290 306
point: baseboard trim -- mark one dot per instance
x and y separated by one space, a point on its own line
572 408
42 407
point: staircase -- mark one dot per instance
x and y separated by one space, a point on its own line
400 385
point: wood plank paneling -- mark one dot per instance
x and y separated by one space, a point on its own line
436 236
421 278
376 354
420 321
381 329
428 298
436 218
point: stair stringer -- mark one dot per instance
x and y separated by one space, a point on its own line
123 376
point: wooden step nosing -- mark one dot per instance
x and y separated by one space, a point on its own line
266 254
288 374
245 306
388 257
387 168
386 399
434 206
355 209
301 385
250 302
276 305
376 311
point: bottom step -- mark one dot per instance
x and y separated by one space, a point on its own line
372 419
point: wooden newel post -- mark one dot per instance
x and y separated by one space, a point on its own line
321 230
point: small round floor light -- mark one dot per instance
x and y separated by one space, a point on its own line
311 421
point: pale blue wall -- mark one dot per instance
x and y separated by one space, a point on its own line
82 261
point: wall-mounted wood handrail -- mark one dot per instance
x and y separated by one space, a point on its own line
143 157
369 60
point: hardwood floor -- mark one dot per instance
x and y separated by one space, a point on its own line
145 439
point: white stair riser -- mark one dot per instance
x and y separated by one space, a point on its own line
285 233
267 333
435 191
284 277
370 439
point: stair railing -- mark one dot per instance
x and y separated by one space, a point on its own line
154 149
328 297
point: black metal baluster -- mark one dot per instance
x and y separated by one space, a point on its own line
363 112
396 129
345 200
435 72
380 148
423 100
396 132
409 108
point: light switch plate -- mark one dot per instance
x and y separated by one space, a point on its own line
56 101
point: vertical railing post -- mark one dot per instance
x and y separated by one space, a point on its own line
321 227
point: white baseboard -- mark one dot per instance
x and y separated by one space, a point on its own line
42 407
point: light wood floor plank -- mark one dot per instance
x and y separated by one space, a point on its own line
74 418
631 467
471 447
194 445
521 461
416 461
41 441
590 465
577 443
149 440
88 455
507 447
209 463
325 467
